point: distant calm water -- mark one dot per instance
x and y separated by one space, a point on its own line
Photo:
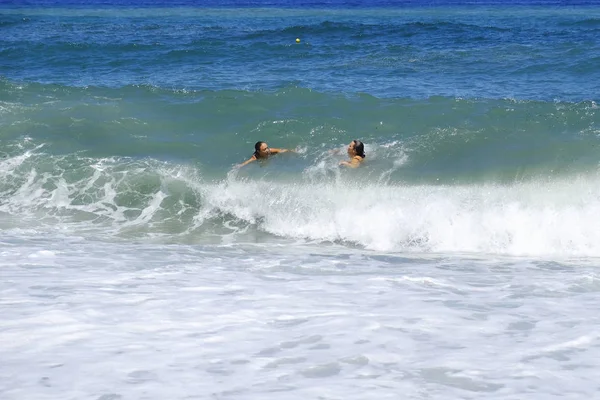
459 262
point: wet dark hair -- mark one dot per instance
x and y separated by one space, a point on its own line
359 147
257 149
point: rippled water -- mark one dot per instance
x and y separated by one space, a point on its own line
307 322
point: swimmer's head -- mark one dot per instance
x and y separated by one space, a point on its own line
356 148
261 150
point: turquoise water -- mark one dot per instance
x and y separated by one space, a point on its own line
461 93
124 114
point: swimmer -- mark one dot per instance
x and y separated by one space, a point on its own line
356 152
263 152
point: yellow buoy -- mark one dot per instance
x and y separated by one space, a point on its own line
297 40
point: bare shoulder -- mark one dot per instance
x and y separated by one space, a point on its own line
357 160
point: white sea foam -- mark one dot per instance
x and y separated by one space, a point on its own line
296 321
548 219
551 218
112 197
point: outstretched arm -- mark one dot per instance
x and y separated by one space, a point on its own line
248 161
276 151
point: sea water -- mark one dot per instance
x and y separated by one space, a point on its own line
458 262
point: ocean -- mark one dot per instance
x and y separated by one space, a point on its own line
459 261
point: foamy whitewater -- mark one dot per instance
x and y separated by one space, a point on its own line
460 261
